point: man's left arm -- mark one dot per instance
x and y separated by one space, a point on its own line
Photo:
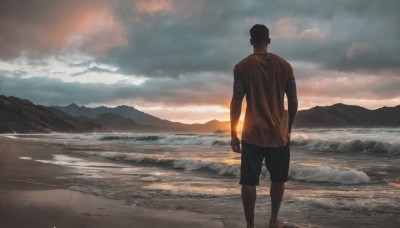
236 108
291 93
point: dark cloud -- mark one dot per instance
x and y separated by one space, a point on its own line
181 37
214 36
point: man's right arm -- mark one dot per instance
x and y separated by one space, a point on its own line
236 108
291 93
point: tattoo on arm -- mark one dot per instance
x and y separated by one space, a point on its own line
238 90
291 93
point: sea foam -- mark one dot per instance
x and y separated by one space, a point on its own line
328 174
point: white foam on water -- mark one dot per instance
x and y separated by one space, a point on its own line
11 137
64 160
327 174
25 158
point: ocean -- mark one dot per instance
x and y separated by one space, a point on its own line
337 178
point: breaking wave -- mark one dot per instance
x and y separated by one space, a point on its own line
360 146
297 172
328 175
205 140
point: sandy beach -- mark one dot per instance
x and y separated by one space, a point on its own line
30 196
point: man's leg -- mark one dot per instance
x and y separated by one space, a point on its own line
276 193
250 170
249 195
277 162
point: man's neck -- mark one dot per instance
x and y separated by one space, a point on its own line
261 50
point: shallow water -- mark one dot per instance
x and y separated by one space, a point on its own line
338 177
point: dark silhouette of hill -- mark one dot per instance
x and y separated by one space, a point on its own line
341 115
123 111
153 123
22 116
210 126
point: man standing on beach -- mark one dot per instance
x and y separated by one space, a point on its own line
264 78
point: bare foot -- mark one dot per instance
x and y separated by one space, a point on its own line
276 224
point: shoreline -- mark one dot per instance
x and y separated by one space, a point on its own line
30 196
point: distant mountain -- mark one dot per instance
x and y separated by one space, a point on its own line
75 110
210 126
22 116
153 123
118 123
124 111
341 115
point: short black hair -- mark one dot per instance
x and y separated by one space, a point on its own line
259 33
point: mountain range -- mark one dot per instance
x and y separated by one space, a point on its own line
343 116
22 116
143 121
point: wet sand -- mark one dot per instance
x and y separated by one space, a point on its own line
30 196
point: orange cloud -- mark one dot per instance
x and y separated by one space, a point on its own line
285 28
153 6
98 31
312 33
40 29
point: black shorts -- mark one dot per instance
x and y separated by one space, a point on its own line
277 161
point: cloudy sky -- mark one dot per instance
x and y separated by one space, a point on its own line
174 58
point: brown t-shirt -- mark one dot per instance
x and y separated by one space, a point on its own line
265 77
